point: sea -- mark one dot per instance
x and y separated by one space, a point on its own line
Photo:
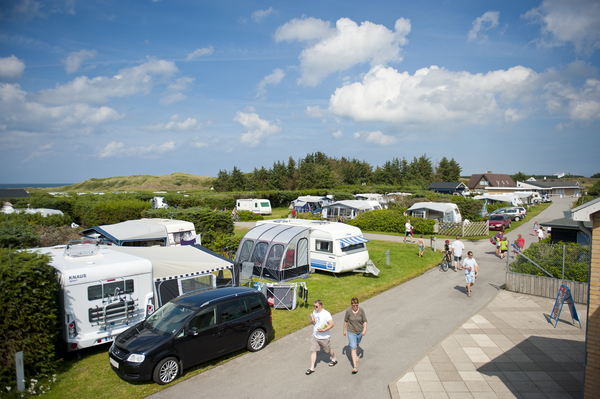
34 185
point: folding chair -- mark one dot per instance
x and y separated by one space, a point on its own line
246 273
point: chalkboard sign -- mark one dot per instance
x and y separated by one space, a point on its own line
564 296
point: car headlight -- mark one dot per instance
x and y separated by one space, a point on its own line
135 358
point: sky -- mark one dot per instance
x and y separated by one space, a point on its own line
102 88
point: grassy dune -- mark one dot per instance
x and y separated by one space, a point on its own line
174 181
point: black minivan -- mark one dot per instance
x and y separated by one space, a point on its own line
192 329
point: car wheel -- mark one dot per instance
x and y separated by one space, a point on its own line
166 371
517 219
257 340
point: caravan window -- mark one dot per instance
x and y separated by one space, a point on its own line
354 248
264 204
324 246
274 258
196 283
110 289
144 243
245 252
259 253
288 262
302 254
419 214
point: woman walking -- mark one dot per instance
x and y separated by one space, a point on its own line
355 322
536 226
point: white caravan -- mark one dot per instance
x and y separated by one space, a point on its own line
334 247
442 211
103 290
255 205
146 233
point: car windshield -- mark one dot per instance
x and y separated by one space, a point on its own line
496 217
168 319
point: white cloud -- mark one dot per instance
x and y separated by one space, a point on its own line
196 142
486 22
98 90
201 52
377 138
432 95
304 29
581 104
315 111
345 46
176 124
42 151
173 92
574 21
18 113
29 8
259 15
75 58
172 98
11 68
337 134
274 79
117 149
256 129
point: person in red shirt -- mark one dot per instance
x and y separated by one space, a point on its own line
520 243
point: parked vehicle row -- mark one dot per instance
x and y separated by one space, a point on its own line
515 213
499 222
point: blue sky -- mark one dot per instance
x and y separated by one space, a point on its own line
92 89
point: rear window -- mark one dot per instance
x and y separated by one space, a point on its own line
255 304
232 310
108 289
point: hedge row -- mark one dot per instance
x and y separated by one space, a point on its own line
391 221
28 293
205 220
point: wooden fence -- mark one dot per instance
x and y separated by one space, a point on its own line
545 286
464 229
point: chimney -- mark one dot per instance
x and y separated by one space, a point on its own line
489 172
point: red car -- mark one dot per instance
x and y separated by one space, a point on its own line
499 222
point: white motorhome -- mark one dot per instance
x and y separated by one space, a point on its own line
256 205
334 247
442 211
145 233
103 290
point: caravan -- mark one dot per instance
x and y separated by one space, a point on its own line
255 205
103 290
145 233
441 211
334 247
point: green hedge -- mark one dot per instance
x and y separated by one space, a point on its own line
37 219
391 221
28 293
550 257
17 234
247 216
110 212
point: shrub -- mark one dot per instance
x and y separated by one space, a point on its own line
17 234
247 216
221 243
391 221
204 219
550 257
109 212
28 293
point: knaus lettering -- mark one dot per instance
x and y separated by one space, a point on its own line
76 277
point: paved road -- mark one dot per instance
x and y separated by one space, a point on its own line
405 323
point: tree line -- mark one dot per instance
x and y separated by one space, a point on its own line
319 171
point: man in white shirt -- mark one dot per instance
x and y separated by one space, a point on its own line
457 249
322 322
408 231
471 271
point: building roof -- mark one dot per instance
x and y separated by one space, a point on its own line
565 223
496 180
13 193
583 212
454 185
555 184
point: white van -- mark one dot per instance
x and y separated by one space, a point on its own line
258 206
334 247
103 290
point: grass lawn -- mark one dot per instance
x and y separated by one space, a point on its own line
91 377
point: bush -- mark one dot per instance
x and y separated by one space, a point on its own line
550 257
39 220
110 212
28 293
247 216
204 220
17 234
221 243
391 221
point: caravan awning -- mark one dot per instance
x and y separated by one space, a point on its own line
346 242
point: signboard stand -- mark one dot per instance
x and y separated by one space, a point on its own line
564 295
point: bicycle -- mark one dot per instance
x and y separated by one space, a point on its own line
446 261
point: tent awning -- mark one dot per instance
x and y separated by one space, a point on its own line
346 242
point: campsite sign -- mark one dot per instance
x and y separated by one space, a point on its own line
564 295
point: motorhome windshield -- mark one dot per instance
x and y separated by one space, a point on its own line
168 319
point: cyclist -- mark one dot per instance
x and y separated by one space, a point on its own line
447 249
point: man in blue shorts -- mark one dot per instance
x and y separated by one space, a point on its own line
471 271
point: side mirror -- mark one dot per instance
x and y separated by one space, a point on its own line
192 331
